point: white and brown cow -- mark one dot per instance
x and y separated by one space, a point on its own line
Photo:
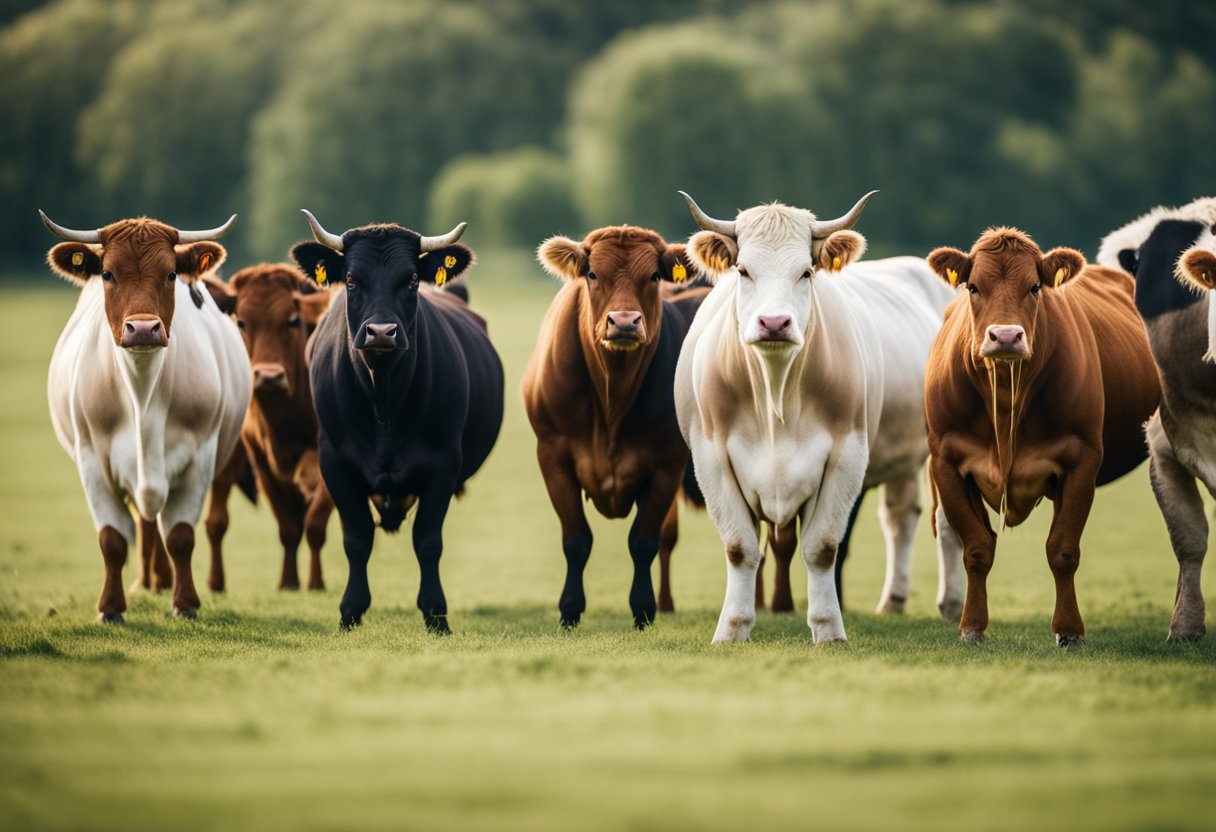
148 386
795 389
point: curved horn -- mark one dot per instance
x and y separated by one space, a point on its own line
184 237
707 222
823 229
426 244
69 234
322 236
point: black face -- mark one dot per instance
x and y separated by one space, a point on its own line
381 270
1157 290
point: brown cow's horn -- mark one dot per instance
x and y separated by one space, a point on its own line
184 237
707 222
823 229
69 234
322 236
426 244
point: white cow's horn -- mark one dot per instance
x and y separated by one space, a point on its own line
68 233
184 237
707 222
823 229
322 236
426 244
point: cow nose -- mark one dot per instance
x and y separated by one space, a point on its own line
774 324
269 376
143 332
624 320
1006 337
381 337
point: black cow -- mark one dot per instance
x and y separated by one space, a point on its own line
408 389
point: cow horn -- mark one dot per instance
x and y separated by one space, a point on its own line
184 237
322 236
707 222
426 244
69 234
823 229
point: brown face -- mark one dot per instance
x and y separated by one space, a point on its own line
1006 276
139 265
623 268
276 308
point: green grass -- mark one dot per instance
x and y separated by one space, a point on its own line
262 714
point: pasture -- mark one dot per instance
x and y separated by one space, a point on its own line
261 714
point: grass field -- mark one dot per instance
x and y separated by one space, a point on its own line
261 714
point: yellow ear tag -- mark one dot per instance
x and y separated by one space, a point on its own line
78 259
440 276
1059 275
322 279
835 264
204 262
953 276
678 273
449 261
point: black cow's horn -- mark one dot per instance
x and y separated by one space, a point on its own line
184 237
823 229
707 222
322 236
68 233
426 244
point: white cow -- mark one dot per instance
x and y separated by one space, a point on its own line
148 386
796 388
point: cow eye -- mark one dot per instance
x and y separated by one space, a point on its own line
240 324
656 277
107 276
1034 290
172 277
591 276
971 288
294 321
806 275
350 282
743 272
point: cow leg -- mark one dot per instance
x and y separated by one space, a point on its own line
964 508
1182 507
842 551
177 519
760 600
358 533
217 527
669 534
898 513
565 494
288 507
112 603
428 547
951 580
115 532
180 543
316 520
155 572
783 542
653 504
1076 497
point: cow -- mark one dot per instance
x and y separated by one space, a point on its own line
598 393
1165 244
408 391
796 388
276 308
1039 385
147 386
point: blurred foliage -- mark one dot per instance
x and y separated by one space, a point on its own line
530 117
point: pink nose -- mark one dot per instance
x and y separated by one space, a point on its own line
1006 337
143 332
269 375
771 325
624 320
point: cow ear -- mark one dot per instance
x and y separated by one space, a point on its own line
199 258
1060 265
75 262
950 264
1129 259
1197 269
676 266
563 258
221 293
442 265
714 254
839 249
312 307
321 262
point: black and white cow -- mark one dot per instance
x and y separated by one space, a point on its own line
1181 325
408 390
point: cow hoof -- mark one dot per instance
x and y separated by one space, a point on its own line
110 618
1192 638
317 587
569 623
641 622
1070 642
437 624
892 606
951 610
666 605
780 608
188 613
350 622
289 587
971 636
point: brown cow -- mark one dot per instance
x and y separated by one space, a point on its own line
276 308
598 391
1038 385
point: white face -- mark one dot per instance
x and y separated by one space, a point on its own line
773 295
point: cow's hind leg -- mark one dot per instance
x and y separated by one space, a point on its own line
156 573
898 513
315 522
842 551
428 547
1182 506
669 534
217 525
783 543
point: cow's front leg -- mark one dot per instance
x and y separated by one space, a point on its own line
358 533
565 494
898 513
115 533
177 519
1182 507
964 509
428 547
653 504
824 521
1076 497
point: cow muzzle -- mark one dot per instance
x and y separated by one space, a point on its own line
270 379
144 334
625 331
380 339
1005 343
774 332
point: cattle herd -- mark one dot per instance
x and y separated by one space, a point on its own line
761 371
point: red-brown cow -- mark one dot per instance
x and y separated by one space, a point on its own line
276 308
598 392
1038 385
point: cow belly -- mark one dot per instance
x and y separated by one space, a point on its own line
777 478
